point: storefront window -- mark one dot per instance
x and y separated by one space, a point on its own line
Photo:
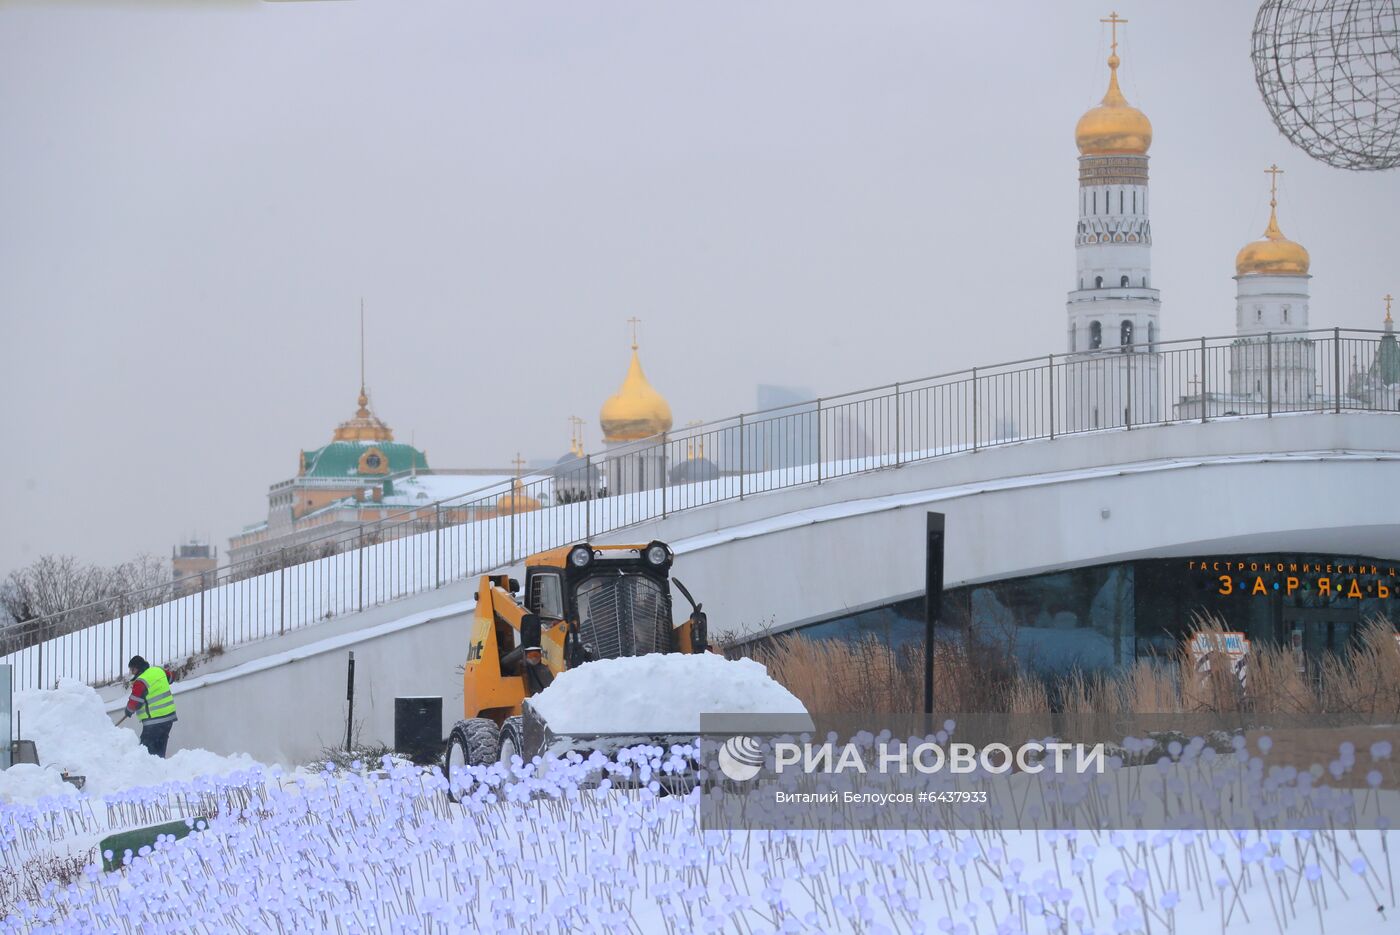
1104 617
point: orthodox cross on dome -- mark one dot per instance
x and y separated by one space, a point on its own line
515 488
1114 21
1273 172
695 443
634 321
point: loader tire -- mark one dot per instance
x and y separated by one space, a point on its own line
474 742
512 739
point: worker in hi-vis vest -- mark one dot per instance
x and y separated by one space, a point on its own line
152 703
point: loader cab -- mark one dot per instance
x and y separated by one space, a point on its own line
618 596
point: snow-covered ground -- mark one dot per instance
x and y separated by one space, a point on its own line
381 849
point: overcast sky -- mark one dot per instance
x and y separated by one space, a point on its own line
195 196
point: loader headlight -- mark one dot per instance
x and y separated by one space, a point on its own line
657 553
580 555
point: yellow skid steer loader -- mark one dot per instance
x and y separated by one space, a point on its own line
580 603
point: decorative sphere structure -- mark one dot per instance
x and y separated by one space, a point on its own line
1329 72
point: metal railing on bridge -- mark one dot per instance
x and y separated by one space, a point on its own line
424 547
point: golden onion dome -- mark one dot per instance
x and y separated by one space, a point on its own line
636 410
364 426
1114 127
516 500
1273 254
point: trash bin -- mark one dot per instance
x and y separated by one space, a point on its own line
418 727
23 751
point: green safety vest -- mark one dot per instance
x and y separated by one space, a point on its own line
159 704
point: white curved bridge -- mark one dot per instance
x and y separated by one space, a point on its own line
802 514
1309 483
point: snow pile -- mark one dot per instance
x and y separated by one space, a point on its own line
25 782
72 731
659 694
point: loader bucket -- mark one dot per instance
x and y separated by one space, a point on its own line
539 740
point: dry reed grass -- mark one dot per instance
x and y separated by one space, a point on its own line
1150 687
867 675
1367 681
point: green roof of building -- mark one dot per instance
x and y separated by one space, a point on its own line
1387 363
342 459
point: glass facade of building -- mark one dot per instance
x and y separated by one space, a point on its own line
1105 616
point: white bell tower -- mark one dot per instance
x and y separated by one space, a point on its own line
1271 361
1113 309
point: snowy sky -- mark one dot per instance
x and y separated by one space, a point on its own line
197 194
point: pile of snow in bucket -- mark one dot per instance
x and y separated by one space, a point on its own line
659 694
72 731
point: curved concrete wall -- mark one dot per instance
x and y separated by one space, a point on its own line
1318 483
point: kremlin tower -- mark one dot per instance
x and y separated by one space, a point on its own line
1113 310
1271 362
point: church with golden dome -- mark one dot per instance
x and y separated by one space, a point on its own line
1114 309
636 411
1272 354
633 419
1110 373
